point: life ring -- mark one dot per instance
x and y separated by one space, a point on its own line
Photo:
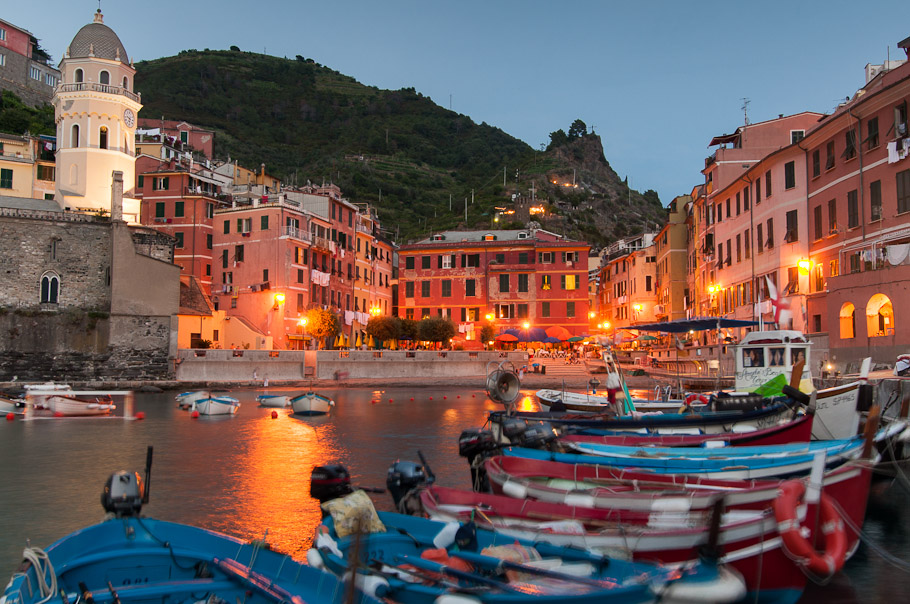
693 398
799 548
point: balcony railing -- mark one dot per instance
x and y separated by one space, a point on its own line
295 233
321 242
105 88
364 229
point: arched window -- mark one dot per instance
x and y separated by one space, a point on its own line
104 77
126 83
78 76
847 321
74 137
879 316
102 138
50 288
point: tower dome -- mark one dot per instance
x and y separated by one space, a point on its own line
98 40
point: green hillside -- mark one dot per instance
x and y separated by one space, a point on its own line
395 149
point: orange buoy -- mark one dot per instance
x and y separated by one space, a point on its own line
431 398
195 414
274 414
58 414
10 416
140 415
473 395
412 398
459 396
444 397
391 399
373 401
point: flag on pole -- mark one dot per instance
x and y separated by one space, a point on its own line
779 306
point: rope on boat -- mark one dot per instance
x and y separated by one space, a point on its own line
43 568
867 539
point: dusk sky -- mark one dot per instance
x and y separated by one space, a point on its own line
656 80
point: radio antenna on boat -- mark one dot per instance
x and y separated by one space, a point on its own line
148 474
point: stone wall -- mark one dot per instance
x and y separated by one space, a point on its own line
14 76
83 346
74 247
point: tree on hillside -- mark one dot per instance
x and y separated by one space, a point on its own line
652 197
383 328
578 129
436 329
322 324
557 139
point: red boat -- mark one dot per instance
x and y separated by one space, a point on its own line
795 431
750 539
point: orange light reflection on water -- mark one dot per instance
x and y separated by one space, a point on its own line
273 481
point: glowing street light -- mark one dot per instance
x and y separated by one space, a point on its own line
302 321
526 325
279 298
804 266
490 316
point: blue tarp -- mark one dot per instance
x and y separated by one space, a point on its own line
697 324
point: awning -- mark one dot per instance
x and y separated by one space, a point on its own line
724 138
698 324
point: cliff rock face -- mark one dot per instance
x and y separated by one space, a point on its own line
589 201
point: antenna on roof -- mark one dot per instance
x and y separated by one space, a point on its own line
745 109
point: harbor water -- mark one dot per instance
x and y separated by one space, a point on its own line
248 475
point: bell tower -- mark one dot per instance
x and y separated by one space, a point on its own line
95 108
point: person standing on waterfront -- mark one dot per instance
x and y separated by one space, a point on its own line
613 385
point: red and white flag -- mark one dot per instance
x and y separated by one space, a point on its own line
778 305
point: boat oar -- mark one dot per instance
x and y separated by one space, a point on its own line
500 564
454 572
425 576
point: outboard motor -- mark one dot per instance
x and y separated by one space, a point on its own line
123 494
537 436
475 446
330 482
512 428
404 477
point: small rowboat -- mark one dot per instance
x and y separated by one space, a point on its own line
185 400
749 539
311 403
737 463
798 430
73 406
486 570
274 400
222 405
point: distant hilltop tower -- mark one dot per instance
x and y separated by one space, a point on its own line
96 109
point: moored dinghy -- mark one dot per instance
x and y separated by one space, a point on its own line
274 400
221 405
75 406
185 400
311 403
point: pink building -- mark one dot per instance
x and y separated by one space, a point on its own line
751 221
859 220
195 137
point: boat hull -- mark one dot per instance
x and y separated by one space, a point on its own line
68 406
217 406
185 400
311 404
148 560
274 400
749 540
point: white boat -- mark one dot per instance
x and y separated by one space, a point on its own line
219 405
274 400
11 405
578 402
311 403
185 400
36 394
765 355
72 406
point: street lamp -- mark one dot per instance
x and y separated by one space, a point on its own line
279 299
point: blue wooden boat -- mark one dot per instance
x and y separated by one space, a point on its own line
723 463
129 559
390 561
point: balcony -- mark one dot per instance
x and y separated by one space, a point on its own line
364 229
321 243
295 233
105 88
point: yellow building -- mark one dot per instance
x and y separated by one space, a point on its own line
672 261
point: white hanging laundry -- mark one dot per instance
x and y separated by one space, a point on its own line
348 317
898 253
893 154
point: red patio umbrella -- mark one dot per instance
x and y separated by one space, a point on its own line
559 332
505 337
